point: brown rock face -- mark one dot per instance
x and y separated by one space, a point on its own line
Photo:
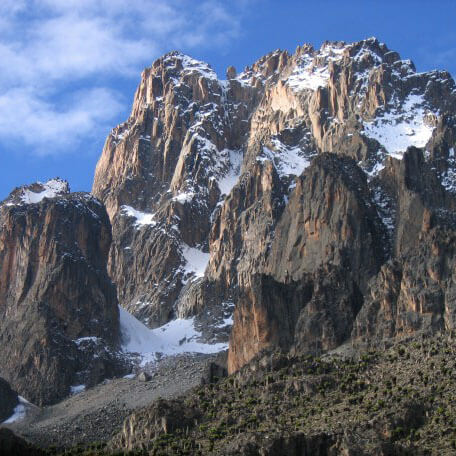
164 161
414 291
57 303
265 315
415 294
329 219
326 246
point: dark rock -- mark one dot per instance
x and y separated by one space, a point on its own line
12 445
316 292
294 445
8 400
214 372
330 197
413 295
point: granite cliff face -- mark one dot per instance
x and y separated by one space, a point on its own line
59 321
326 244
313 193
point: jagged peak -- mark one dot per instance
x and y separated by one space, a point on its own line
267 65
311 68
183 63
332 44
36 192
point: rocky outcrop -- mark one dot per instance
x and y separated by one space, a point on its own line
158 178
59 319
164 417
413 294
329 219
8 400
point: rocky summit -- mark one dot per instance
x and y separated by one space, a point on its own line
58 307
301 211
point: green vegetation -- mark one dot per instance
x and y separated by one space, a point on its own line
403 397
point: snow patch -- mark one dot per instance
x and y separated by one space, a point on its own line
76 389
51 189
19 411
385 209
448 178
310 75
184 197
142 218
379 166
190 65
82 340
226 322
287 160
196 261
176 337
402 127
227 182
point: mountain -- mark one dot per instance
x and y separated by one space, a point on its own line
59 320
313 193
301 212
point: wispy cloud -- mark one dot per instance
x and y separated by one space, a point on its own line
45 127
47 47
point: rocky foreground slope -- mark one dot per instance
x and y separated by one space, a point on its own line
314 190
59 320
395 401
392 402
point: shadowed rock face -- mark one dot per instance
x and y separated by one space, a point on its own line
413 294
329 219
303 178
54 292
326 246
414 290
8 400
12 445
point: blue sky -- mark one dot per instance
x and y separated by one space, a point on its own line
69 68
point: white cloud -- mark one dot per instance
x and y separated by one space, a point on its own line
47 127
49 46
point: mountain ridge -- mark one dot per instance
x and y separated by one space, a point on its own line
190 134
